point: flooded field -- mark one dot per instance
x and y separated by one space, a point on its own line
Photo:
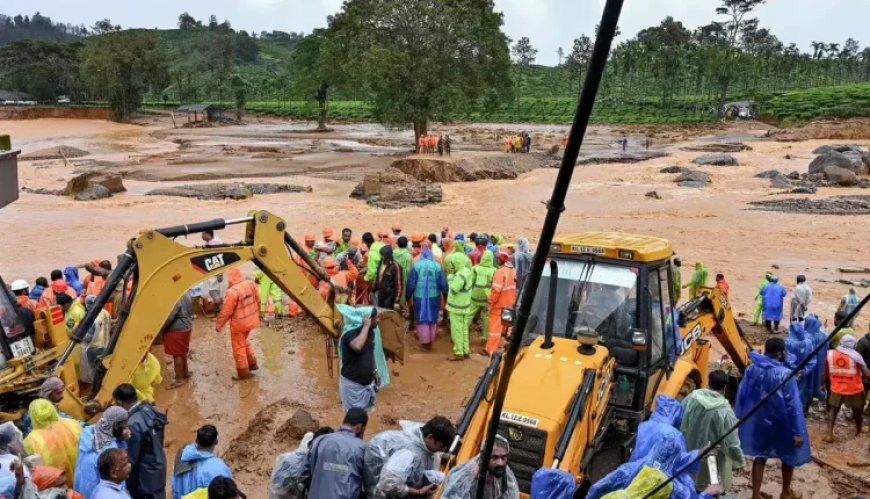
714 225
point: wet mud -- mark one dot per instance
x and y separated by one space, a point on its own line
226 191
835 205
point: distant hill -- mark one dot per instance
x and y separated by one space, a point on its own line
38 27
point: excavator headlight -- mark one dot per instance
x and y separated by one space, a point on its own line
508 315
638 340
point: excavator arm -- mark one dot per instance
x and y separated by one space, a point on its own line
162 270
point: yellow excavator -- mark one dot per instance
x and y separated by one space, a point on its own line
603 339
158 271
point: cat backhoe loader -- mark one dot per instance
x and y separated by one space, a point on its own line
157 271
603 339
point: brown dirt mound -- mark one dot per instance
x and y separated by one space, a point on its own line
226 191
393 189
469 170
87 180
837 205
58 152
853 129
35 113
721 147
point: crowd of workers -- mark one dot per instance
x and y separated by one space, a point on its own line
520 143
431 144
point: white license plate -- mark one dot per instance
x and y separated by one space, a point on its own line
22 347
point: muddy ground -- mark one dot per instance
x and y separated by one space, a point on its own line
715 225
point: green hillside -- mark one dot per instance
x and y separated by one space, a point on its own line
843 102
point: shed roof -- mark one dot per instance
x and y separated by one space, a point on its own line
197 108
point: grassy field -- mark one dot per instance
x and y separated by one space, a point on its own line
842 102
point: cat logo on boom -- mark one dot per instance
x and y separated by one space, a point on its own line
213 261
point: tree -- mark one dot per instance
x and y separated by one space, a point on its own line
105 26
524 55
121 67
578 60
735 12
418 62
186 21
212 22
240 94
560 53
45 70
310 77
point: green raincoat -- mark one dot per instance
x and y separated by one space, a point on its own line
459 305
403 257
456 259
268 289
677 282
374 261
707 417
699 278
759 303
482 276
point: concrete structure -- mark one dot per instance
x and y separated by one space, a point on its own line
8 177
202 112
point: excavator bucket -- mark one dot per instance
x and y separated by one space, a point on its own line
392 327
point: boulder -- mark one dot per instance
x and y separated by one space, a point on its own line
694 176
653 194
811 189
238 192
840 176
300 423
675 169
715 160
837 148
84 181
851 161
93 193
692 183
554 151
780 182
768 174
394 189
794 175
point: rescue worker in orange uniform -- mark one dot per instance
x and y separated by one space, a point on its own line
503 294
21 290
58 285
327 247
241 309
310 241
96 281
844 367
339 278
421 144
417 240
397 233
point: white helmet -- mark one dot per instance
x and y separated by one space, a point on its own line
19 285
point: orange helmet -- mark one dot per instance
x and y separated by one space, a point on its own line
397 226
354 242
383 233
329 263
504 254
417 237
327 232
309 236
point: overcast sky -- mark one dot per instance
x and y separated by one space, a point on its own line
548 23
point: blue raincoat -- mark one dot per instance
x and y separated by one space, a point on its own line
814 332
71 276
664 423
426 284
205 468
353 319
87 476
799 345
668 455
548 483
772 297
770 432
36 292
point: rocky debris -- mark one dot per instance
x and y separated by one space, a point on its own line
788 156
226 191
857 283
780 182
715 160
58 152
692 183
694 176
840 176
471 169
85 181
554 151
841 148
769 174
93 193
620 157
719 147
257 149
794 175
300 423
837 205
345 149
810 189
854 270
49 192
392 189
653 194
851 161
676 169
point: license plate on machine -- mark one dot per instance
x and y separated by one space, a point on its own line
22 347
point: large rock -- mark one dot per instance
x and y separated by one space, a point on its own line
780 182
719 147
768 174
851 161
715 160
298 425
837 148
694 176
692 183
93 193
238 192
840 176
394 189
675 169
84 181
809 189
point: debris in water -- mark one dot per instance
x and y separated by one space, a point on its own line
837 205
226 191
721 147
59 152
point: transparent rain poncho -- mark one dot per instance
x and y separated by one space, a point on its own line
287 479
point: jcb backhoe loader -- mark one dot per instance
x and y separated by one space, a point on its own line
160 271
604 338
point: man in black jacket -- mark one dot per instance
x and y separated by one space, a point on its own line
148 476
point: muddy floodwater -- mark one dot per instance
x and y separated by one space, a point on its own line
715 225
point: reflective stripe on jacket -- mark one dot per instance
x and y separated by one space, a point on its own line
241 308
845 374
504 288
